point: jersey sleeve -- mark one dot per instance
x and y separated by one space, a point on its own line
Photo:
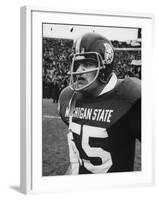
73 155
130 90
63 103
131 93
134 121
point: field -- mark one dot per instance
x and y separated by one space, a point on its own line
55 149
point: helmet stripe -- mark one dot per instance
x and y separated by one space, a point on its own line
78 44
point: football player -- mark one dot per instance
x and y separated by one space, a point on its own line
103 113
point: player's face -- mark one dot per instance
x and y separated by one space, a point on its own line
84 79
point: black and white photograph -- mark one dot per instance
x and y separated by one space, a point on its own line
91 99
86 99
79 100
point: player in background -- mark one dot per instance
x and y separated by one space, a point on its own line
103 113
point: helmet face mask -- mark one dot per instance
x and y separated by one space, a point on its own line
95 53
91 61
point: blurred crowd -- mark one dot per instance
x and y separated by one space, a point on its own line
56 64
123 66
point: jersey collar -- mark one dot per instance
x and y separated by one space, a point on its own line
111 84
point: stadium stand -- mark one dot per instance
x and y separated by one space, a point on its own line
56 63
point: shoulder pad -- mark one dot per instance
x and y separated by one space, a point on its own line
130 89
63 102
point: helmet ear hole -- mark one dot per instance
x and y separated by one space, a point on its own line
105 73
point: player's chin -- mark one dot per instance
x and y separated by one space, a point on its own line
80 84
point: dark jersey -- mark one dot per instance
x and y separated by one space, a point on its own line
105 128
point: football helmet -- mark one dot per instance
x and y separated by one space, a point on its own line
91 48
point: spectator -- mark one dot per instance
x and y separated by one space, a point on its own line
56 64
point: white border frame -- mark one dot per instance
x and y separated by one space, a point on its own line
31 84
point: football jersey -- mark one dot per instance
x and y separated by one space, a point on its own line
104 129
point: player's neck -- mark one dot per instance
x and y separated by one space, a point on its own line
96 88
94 91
